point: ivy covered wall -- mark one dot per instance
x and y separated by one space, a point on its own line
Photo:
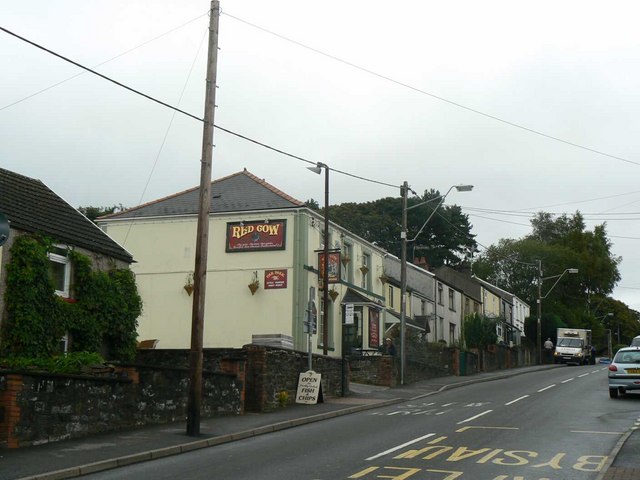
100 315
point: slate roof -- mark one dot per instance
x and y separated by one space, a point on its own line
460 281
32 207
238 192
357 298
422 324
418 279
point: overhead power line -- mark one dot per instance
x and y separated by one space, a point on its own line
102 63
432 95
164 104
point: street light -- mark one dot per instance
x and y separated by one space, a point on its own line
540 297
609 349
325 274
403 260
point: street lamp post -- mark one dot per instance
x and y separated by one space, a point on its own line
403 260
325 274
540 297
610 314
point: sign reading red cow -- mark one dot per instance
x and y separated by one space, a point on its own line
255 236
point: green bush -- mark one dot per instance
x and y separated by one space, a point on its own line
71 363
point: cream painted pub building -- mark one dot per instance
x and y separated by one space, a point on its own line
264 252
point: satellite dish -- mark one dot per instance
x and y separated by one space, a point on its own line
4 229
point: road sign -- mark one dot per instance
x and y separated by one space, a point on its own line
311 318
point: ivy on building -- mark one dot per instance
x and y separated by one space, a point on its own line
101 318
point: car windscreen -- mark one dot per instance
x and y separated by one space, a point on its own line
569 342
628 357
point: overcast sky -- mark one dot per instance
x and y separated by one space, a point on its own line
533 102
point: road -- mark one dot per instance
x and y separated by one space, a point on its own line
555 424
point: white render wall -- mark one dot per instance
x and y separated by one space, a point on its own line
164 250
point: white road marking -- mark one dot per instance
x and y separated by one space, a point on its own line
597 433
448 404
474 417
516 400
583 375
464 429
546 388
567 380
442 413
595 371
391 450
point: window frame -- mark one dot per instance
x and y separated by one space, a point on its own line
66 263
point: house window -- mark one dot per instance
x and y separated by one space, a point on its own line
423 307
347 263
440 300
64 343
452 305
60 270
366 270
452 333
390 296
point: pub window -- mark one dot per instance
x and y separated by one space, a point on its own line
440 300
347 263
366 270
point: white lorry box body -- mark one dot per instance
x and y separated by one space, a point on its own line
573 345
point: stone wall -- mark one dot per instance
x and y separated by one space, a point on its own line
270 373
499 357
380 370
42 408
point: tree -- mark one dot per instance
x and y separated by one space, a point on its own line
479 331
446 239
312 204
555 245
94 212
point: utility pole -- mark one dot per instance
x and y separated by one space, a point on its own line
539 325
403 282
202 235
325 274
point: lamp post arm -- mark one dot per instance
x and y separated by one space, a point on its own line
559 277
425 202
432 214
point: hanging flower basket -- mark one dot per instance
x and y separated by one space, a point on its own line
255 283
333 294
383 278
364 269
345 259
188 286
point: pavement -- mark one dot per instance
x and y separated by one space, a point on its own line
74 458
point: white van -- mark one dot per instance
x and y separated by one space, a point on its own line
635 342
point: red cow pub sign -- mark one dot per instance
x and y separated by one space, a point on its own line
255 236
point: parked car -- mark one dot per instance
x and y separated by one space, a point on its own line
636 341
624 371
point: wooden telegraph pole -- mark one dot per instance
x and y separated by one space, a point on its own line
200 273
